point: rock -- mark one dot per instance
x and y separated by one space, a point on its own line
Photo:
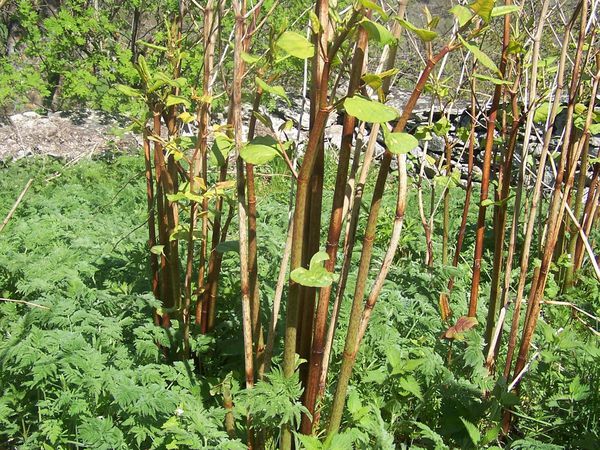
68 135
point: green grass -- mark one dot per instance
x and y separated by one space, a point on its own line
86 373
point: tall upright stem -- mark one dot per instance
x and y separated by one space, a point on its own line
367 249
485 176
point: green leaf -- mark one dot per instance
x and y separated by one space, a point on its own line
399 143
129 91
142 68
487 202
494 80
424 34
316 275
221 148
177 100
472 430
542 112
275 90
411 385
377 32
296 45
249 59
484 59
186 117
315 24
369 110
228 246
462 14
490 435
375 80
375 7
504 9
157 249
260 150
442 127
161 48
483 8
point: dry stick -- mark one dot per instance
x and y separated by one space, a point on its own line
365 259
485 177
236 122
469 189
349 240
281 279
333 237
198 170
239 7
526 247
16 204
588 214
557 208
151 221
389 256
574 238
504 179
210 23
23 302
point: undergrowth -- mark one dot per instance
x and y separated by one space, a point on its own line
82 369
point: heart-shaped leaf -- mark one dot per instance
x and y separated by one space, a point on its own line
462 325
377 32
399 143
424 34
260 150
462 14
369 110
296 45
316 275
504 9
483 8
275 90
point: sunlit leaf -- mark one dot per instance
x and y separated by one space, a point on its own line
377 32
424 34
275 90
462 14
177 100
483 8
504 9
399 143
491 79
296 45
462 325
480 56
375 7
128 90
249 59
260 150
316 275
369 110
